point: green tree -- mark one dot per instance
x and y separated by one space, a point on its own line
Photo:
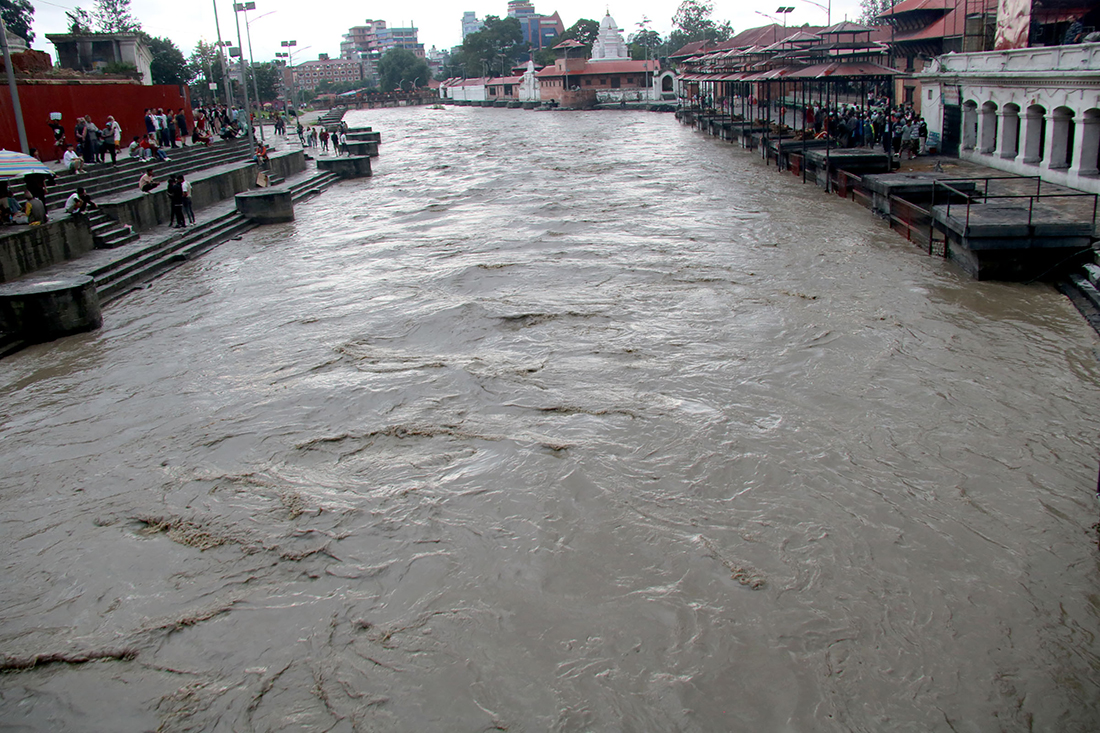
400 66
168 65
107 16
113 16
870 9
498 44
693 23
80 21
646 44
267 81
18 16
583 31
204 66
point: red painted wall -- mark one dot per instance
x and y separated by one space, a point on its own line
127 102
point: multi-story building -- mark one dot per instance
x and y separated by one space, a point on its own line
308 74
470 23
538 30
1030 106
374 37
609 76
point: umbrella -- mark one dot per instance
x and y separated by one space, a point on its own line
13 165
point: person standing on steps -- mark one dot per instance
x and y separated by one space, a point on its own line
59 143
181 125
175 196
113 139
187 199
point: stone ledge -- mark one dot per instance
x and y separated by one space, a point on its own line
355 166
43 310
266 205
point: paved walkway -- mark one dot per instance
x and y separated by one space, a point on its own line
150 239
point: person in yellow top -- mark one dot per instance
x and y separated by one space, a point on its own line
34 209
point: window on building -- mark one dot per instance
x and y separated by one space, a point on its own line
588 82
909 94
615 82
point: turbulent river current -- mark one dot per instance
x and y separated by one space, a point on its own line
561 421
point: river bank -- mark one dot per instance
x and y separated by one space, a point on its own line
619 432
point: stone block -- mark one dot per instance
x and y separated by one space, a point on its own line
354 166
24 249
266 205
362 148
44 310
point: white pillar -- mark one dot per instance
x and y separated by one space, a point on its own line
987 130
1057 139
1007 146
1032 136
1086 144
969 123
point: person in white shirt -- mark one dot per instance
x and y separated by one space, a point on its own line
187 199
112 139
79 202
73 162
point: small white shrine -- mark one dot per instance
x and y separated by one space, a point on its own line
609 44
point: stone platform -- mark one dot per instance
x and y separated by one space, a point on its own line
1006 241
266 205
43 310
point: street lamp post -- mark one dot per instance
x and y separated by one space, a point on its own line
252 63
289 56
239 8
643 26
225 66
17 108
828 8
784 10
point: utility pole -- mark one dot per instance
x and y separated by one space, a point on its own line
221 56
16 107
237 9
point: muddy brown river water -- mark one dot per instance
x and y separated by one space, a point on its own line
574 422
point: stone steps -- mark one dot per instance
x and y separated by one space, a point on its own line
125 179
124 275
129 272
1082 287
108 233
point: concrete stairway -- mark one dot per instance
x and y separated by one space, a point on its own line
130 271
124 275
108 233
102 180
1082 287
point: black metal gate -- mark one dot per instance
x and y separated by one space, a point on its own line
952 129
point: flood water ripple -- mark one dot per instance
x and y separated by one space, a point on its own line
561 421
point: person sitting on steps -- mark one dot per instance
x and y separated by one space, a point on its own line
147 183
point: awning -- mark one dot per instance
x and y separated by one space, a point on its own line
844 70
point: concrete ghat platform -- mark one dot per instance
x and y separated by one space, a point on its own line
913 187
998 242
43 310
355 166
266 205
365 137
363 148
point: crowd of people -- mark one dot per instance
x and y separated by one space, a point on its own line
165 129
321 137
899 130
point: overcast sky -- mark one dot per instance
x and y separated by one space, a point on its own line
318 26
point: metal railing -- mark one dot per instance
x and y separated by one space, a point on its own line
984 197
